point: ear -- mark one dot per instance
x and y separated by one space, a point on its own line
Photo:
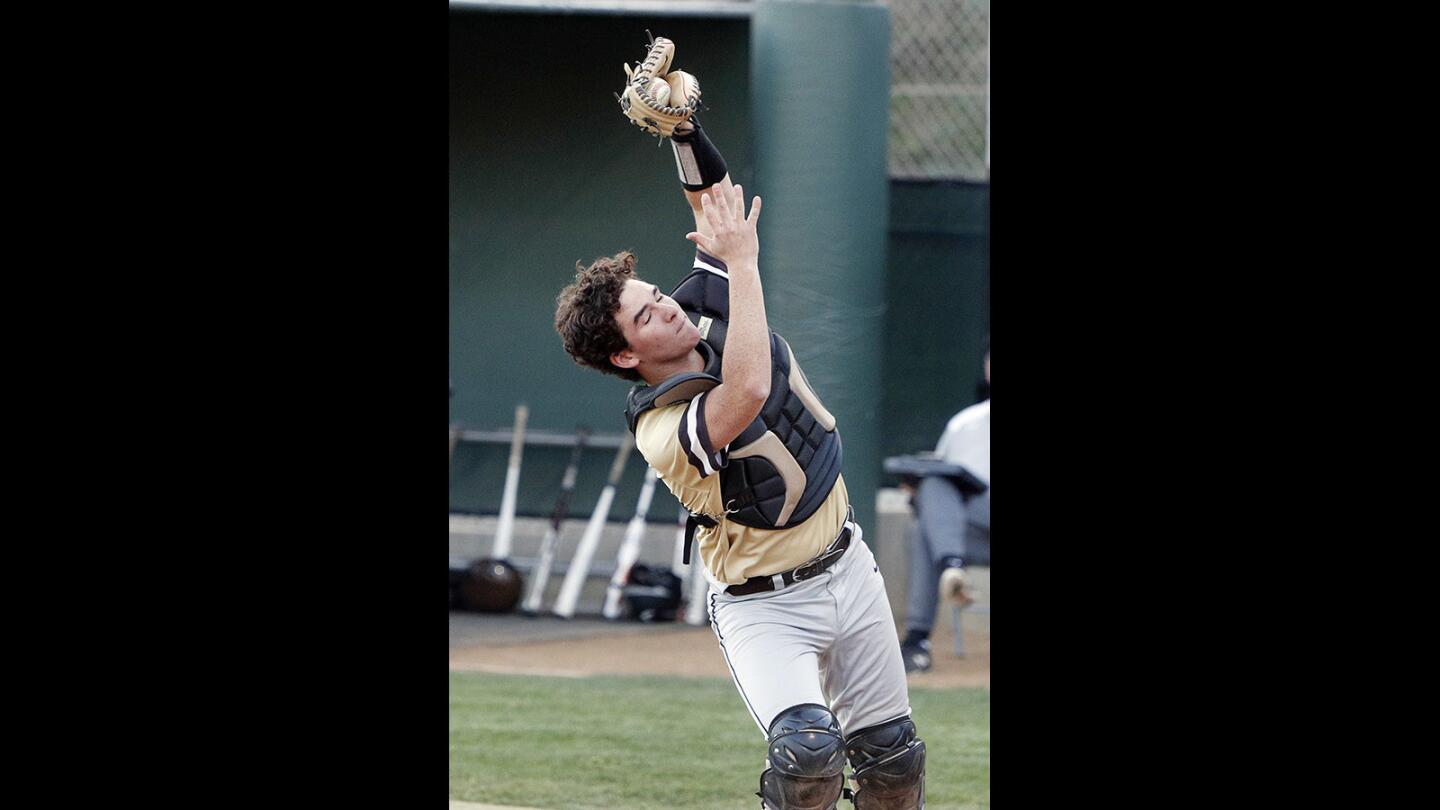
624 359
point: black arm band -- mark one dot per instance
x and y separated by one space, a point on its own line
697 159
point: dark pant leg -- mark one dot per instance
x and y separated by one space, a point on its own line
940 519
924 585
977 530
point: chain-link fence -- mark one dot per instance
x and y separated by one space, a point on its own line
940 89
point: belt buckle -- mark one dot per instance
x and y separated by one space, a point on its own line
807 571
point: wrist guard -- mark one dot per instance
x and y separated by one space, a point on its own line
698 161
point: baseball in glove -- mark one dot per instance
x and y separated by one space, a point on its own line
656 98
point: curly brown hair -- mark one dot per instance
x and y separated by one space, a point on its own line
585 313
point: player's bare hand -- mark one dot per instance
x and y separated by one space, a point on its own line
733 237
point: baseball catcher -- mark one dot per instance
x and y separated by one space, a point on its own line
723 412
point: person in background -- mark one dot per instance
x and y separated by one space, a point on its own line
952 528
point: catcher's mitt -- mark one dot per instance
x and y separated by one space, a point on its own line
658 99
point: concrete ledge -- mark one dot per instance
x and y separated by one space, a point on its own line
472 537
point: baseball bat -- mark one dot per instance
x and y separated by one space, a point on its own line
541 574
585 552
454 440
506 530
629 548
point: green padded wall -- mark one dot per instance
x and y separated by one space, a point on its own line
938 289
821 102
539 180
545 171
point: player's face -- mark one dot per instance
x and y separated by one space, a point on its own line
654 324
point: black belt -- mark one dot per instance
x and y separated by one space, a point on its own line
804 572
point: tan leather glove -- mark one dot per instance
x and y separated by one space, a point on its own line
655 98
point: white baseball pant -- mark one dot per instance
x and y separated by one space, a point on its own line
830 640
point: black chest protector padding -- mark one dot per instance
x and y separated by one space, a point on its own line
784 464
760 484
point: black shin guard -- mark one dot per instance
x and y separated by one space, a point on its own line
698 161
889 765
806 761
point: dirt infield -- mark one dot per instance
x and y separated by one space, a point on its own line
591 646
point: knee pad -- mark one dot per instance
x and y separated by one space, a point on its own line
888 761
805 760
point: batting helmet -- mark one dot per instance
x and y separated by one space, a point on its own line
490 586
652 594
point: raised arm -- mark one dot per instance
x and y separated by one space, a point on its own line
731 237
702 225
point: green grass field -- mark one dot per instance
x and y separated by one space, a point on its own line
653 743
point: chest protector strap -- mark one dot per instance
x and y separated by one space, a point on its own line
679 388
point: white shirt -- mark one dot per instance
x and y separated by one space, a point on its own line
966 440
